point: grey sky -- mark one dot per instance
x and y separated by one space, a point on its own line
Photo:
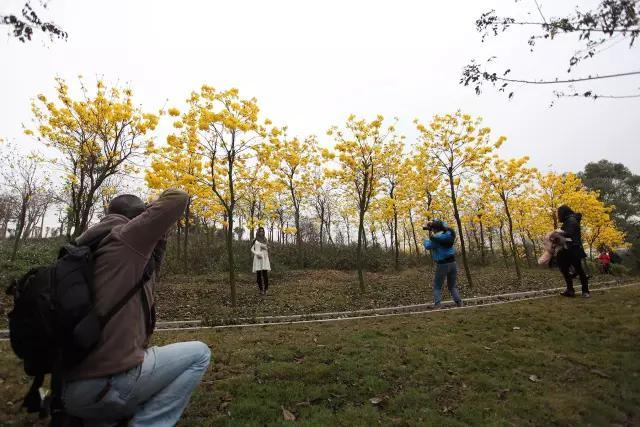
312 64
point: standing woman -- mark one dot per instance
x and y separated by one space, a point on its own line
261 263
571 257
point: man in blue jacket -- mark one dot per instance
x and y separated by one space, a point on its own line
440 243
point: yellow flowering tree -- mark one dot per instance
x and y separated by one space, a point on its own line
97 134
394 178
359 152
508 179
457 145
292 161
178 164
227 129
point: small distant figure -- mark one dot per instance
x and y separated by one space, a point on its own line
571 258
440 243
605 260
261 264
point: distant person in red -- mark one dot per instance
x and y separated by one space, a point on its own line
605 261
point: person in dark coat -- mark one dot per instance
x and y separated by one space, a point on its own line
571 258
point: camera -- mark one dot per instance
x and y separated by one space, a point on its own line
433 226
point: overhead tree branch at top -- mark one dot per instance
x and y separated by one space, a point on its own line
612 21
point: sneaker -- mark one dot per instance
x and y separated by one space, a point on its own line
437 306
568 293
586 295
459 304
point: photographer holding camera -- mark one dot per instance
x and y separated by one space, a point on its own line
440 243
123 379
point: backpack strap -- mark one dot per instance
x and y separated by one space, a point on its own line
104 319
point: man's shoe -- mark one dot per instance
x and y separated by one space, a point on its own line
437 306
459 304
586 295
568 293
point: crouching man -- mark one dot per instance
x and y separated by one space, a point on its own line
122 379
440 243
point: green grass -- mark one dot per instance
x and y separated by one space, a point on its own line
464 367
298 292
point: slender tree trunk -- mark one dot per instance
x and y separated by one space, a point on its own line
474 234
232 195
179 242
533 245
456 214
232 272
384 236
527 250
504 250
252 225
397 247
405 239
44 212
185 251
321 227
413 232
359 249
514 249
490 236
482 254
299 238
19 228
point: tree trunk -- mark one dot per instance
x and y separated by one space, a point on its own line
413 232
533 245
359 250
321 227
397 246
185 251
474 234
384 237
232 267
514 249
44 212
299 238
482 254
232 272
490 235
456 214
527 250
179 241
19 228
504 250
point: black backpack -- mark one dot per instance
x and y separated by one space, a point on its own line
54 324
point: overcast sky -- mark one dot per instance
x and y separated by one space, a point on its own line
311 64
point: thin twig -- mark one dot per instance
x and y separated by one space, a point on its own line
540 11
582 79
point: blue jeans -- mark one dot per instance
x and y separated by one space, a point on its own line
445 271
154 393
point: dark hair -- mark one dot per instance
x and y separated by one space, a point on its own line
563 213
126 204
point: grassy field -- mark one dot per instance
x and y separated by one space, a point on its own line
297 292
551 361
293 292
